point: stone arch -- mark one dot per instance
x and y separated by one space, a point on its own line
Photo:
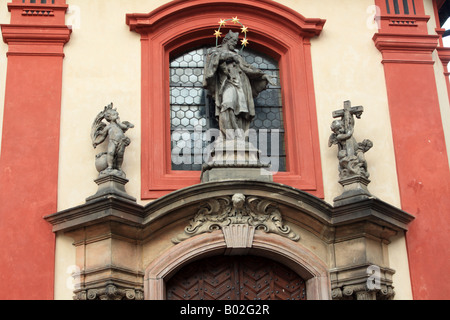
295 256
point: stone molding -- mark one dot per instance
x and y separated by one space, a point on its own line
304 262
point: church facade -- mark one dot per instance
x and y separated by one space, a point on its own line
118 180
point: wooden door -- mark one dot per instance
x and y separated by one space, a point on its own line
236 278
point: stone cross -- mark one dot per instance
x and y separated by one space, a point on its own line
356 111
352 164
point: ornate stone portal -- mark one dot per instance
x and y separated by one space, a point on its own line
116 239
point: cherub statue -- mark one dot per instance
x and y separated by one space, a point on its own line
350 153
110 162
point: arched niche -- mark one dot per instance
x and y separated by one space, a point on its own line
274 29
296 257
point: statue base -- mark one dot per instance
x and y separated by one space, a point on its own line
111 186
355 189
235 160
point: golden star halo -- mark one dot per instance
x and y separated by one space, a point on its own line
235 20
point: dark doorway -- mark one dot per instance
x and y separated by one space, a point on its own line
236 278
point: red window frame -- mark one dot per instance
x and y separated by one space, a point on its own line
273 29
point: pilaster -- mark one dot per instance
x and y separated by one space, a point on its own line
422 166
29 159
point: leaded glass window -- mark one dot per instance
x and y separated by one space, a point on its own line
192 120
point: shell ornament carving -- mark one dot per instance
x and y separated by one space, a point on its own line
214 214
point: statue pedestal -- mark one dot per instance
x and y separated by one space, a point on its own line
355 189
235 160
111 186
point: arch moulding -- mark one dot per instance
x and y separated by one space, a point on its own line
297 257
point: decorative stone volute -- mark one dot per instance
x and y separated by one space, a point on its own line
362 292
110 292
222 212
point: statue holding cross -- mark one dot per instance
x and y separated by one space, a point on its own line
350 153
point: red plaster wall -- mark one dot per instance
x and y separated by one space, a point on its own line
30 152
424 177
28 178
420 148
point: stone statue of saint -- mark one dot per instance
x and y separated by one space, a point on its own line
110 162
350 153
233 83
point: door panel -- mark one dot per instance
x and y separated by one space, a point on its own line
236 278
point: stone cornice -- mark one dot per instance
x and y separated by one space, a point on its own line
94 212
399 41
139 22
173 207
36 29
373 210
406 48
35 33
13 5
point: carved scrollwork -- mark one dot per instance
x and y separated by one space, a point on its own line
385 293
336 294
110 292
214 214
362 292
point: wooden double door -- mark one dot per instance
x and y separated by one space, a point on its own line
236 278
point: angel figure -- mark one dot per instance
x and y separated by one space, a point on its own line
110 162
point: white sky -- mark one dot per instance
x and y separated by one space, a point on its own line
446 40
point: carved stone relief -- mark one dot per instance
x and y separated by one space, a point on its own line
218 213
110 292
362 292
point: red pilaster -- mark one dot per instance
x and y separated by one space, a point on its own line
419 142
30 147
